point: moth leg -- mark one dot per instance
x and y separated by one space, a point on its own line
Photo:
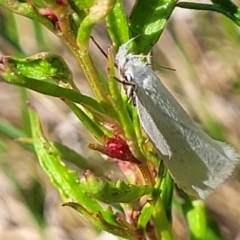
124 82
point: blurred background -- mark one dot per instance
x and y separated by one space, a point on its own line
202 48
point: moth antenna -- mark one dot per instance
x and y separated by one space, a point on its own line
99 47
167 68
101 50
149 56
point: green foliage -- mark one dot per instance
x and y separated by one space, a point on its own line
110 118
225 7
149 28
106 191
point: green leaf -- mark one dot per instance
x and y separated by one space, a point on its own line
225 7
148 28
229 7
124 229
145 215
161 223
63 178
42 66
96 13
105 191
78 160
162 201
92 125
117 25
196 218
167 187
15 73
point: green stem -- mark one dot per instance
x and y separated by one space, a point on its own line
161 223
96 13
167 187
211 7
228 6
117 25
93 126
147 175
195 213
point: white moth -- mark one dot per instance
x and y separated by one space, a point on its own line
197 163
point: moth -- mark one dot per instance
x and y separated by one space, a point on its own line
198 163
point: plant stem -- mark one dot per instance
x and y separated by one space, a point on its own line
146 174
211 7
97 12
161 223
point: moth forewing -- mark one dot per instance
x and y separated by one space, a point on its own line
198 163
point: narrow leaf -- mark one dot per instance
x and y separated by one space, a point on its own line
64 179
46 86
106 191
148 28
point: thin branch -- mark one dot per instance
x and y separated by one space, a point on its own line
209 7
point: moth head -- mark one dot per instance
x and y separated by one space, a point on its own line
126 61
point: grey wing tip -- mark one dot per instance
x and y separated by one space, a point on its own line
230 153
233 157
